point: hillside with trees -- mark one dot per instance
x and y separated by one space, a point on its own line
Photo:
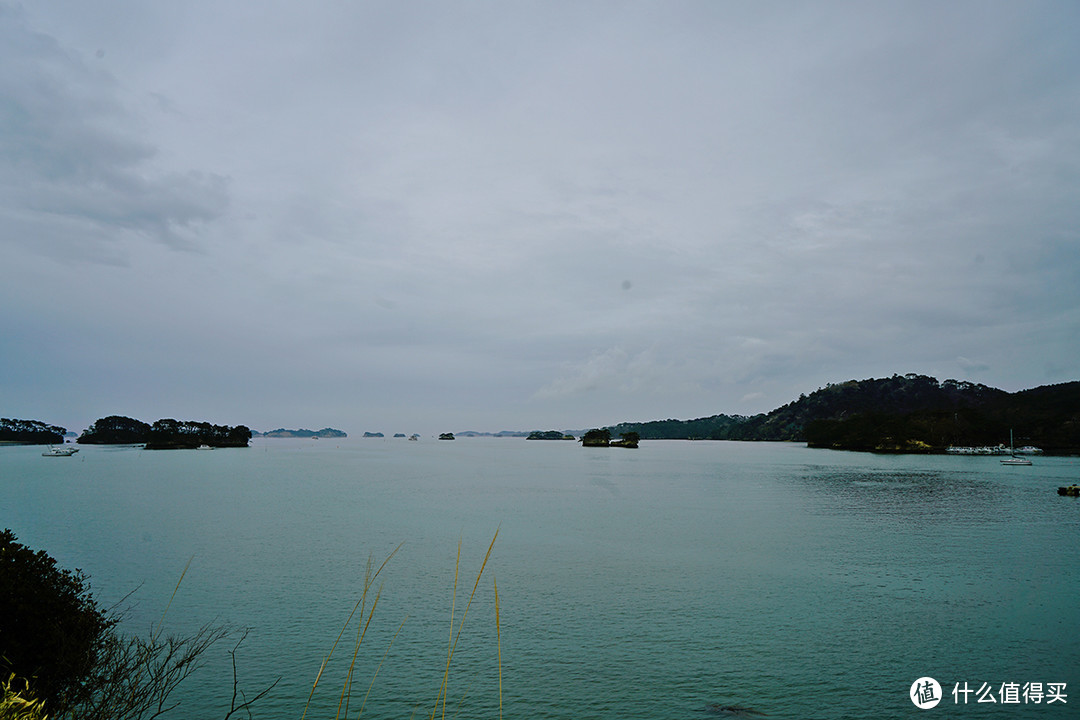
30 432
908 413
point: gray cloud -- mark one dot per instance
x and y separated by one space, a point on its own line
74 172
531 216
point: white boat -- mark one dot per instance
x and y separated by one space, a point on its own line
60 452
1013 458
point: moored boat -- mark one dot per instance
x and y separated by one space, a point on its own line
60 452
1013 458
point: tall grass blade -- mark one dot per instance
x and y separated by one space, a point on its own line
450 644
498 640
368 580
161 622
361 630
455 636
377 669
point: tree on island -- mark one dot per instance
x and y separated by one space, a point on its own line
115 430
172 434
30 432
597 437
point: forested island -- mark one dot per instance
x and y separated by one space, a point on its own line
903 413
30 432
165 434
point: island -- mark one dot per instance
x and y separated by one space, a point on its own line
169 434
373 435
446 436
30 432
165 434
601 437
549 435
302 433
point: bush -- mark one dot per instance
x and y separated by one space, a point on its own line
63 656
51 630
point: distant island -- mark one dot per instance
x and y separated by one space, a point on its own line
30 432
903 413
549 435
302 433
373 435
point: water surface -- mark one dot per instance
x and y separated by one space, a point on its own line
649 583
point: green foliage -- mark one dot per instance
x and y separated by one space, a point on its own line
31 432
51 630
115 430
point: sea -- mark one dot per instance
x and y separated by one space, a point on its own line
506 578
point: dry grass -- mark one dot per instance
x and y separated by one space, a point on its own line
366 614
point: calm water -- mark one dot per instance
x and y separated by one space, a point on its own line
645 583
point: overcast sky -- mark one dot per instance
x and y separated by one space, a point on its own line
430 216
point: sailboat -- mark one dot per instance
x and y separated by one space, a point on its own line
1013 458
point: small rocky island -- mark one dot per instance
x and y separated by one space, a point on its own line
549 435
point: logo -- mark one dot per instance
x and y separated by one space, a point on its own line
925 693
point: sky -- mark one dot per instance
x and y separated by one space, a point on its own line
446 216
